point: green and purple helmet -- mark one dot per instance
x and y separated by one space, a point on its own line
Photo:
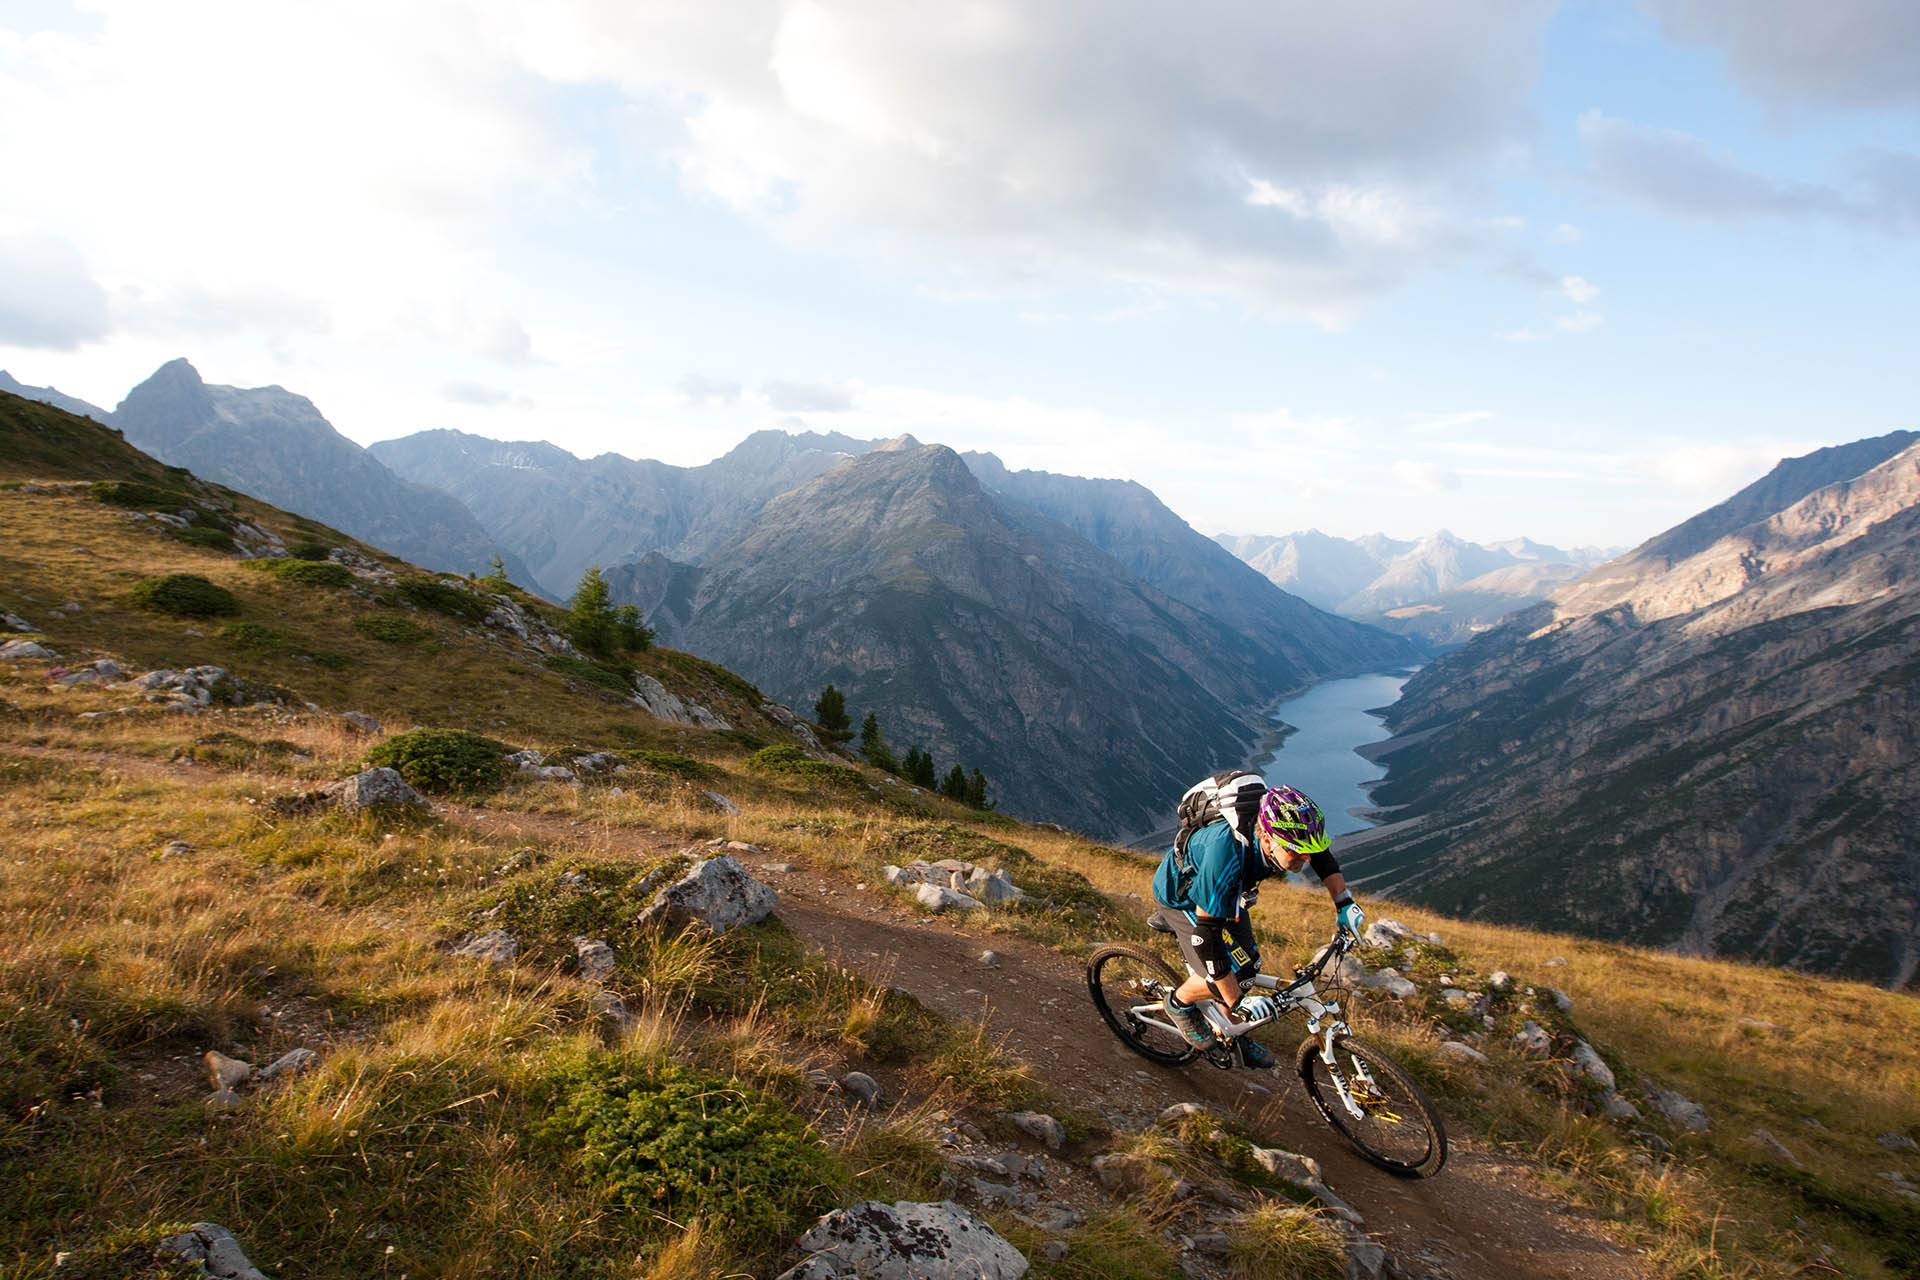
1293 821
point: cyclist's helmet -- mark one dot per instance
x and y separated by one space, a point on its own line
1295 823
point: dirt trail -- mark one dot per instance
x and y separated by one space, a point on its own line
1486 1217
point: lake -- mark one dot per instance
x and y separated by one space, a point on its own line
1330 720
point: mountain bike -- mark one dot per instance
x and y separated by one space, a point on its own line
1362 1093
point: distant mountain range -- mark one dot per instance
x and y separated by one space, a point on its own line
1072 637
1710 742
276 446
1441 590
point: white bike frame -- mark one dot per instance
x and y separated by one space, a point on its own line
1323 1020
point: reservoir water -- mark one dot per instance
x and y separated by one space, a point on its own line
1331 720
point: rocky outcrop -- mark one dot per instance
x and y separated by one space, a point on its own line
718 893
373 789
953 881
664 704
1709 743
212 1251
906 1241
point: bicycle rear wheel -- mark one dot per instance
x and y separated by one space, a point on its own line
1397 1128
1119 977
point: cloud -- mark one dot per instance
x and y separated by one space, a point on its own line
1425 477
1566 233
1678 173
1312 156
698 388
48 299
461 391
1856 53
1579 290
807 397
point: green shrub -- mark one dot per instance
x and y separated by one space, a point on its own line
138 496
601 675
455 602
678 765
444 760
198 535
676 1143
308 573
185 595
309 551
391 628
251 635
790 764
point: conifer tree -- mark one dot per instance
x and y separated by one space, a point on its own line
954 785
496 579
977 790
873 745
922 772
830 713
591 622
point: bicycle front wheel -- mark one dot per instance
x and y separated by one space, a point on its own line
1124 981
1391 1122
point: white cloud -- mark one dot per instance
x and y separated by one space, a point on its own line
807 397
1862 53
1425 477
700 388
48 298
480 395
1566 233
1579 290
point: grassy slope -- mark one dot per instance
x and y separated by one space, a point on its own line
420 1130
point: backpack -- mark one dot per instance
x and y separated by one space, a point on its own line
1233 794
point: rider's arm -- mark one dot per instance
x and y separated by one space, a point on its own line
1336 887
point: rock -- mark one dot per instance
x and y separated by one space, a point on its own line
1388 933
595 762
780 868
906 1241
1055 1250
663 704
14 622
1678 1108
1615 1107
176 849
15 649
1533 1040
226 1073
1561 1000
1394 985
373 789
595 957
862 1087
741 846
496 947
1456 998
571 880
527 759
1590 1065
214 1248
362 723
1558 962
1461 1052
605 1004
793 724
1057 1217
980 1164
990 959
1764 1141
1365 1260
1500 981
223 1100
548 773
290 1063
937 898
994 887
723 804
1304 1172
1040 1127
1217 1243
1180 1111
1897 1141
997 1193
718 893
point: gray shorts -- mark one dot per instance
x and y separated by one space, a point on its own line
1241 955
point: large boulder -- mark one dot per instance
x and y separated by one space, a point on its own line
374 789
25 649
1678 1108
718 893
906 1241
664 704
216 1252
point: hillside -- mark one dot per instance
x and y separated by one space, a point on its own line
276 445
1708 743
1455 616
493 1065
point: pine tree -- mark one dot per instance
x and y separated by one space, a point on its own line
830 713
873 745
954 785
977 791
496 579
635 634
922 771
592 622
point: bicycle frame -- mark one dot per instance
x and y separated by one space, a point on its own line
1323 1019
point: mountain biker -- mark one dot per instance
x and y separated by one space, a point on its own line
1204 904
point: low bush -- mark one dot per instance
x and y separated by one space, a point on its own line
455 602
197 535
444 760
677 765
137 496
184 595
671 1142
308 573
601 675
252 635
309 551
790 764
390 628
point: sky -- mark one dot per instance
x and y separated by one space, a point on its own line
1571 270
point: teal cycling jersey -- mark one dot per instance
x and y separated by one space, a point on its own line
1223 870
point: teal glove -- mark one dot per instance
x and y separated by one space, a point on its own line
1255 1008
1351 917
